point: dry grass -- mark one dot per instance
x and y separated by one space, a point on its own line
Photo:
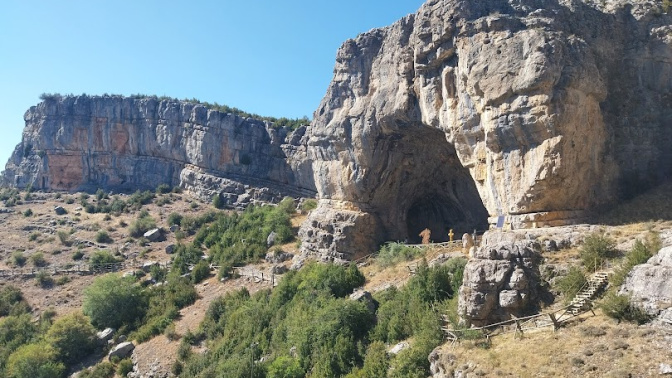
569 352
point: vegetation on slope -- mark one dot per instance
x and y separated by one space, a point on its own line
307 327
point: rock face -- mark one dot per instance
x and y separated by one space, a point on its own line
538 111
650 285
501 280
86 142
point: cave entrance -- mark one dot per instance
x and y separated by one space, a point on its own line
421 183
439 215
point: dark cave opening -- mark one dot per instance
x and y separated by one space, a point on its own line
421 183
439 215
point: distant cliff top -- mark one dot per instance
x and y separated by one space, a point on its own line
292 123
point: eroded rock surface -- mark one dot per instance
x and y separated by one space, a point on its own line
464 112
469 110
87 142
501 280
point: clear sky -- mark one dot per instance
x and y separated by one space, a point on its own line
273 58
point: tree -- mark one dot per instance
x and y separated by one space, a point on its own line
112 301
34 361
72 336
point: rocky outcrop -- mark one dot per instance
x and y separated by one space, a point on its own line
469 110
86 142
650 285
501 280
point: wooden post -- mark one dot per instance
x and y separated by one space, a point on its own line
556 325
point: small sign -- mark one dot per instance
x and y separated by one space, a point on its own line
500 221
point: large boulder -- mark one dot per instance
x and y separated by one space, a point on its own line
650 285
501 280
121 351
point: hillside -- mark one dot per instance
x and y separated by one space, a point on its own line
586 345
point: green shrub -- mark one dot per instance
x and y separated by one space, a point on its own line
111 301
200 272
28 213
572 283
101 370
596 248
393 253
103 237
77 255
33 236
285 367
217 201
141 225
620 307
35 361
124 367
639 254
44 280
18 259
101 194
12 301
102 257
72 336
308 205
163 189
38 259
174 219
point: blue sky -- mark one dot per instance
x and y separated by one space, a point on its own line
273 58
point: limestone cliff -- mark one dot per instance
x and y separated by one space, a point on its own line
86 142
538 111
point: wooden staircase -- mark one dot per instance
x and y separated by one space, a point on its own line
582 300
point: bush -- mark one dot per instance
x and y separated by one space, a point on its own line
308 205
111 301
174 219
141 225
102 257
12 301
639 254
44 280
101 370
596 248
35 361
18 259
163 189
77 255
103 237
124 367
620 307
394 253
200 272
28 213
217 201
38 259
570 284
72 336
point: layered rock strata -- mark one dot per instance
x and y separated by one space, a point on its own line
83 143
502 279
535 111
